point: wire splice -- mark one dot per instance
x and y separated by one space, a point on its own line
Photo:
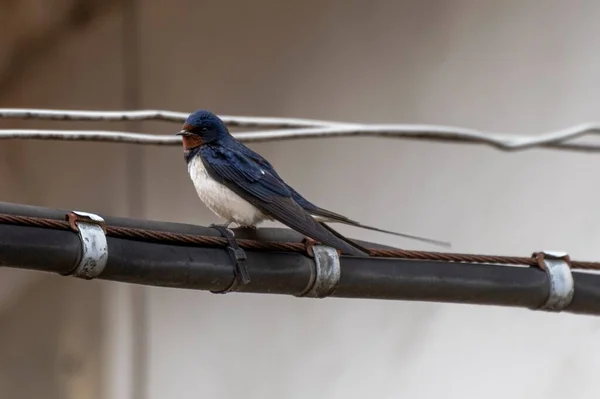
94 248
560 279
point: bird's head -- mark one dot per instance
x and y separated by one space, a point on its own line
202 127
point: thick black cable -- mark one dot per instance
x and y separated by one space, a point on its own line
210 269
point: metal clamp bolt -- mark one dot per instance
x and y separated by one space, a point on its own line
560 279
91 231
327 272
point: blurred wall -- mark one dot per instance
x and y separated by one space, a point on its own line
63 338
515 66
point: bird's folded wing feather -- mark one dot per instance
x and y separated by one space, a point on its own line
267 192
324 213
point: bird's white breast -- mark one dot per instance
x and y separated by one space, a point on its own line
221 200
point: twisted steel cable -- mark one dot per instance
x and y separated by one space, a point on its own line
191 239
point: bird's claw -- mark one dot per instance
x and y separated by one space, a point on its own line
222 225
223 229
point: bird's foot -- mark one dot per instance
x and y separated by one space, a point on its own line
222 225
237 254
224 229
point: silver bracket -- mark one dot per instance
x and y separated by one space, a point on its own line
560 279
91 231
327 272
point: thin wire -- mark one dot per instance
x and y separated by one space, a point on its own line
158 115
290 129
90 135
437 133
556 139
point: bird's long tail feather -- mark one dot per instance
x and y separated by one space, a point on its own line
334 217
345 239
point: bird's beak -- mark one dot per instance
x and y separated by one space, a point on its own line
182 133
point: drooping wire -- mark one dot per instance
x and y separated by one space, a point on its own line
276 129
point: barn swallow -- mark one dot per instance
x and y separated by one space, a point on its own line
242 187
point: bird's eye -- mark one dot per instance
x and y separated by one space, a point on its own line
204 129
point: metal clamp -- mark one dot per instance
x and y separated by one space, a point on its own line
560 279
327 272
92 233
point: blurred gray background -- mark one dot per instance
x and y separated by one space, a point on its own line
513 66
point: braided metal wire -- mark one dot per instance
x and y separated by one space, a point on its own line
208 241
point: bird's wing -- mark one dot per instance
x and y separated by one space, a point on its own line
324 213
268 193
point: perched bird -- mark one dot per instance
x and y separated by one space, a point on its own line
242 187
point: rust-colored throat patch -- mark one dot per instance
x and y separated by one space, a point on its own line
192 141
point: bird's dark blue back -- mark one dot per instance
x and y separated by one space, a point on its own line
266 165
229 161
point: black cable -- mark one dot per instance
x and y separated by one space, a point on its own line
211 269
